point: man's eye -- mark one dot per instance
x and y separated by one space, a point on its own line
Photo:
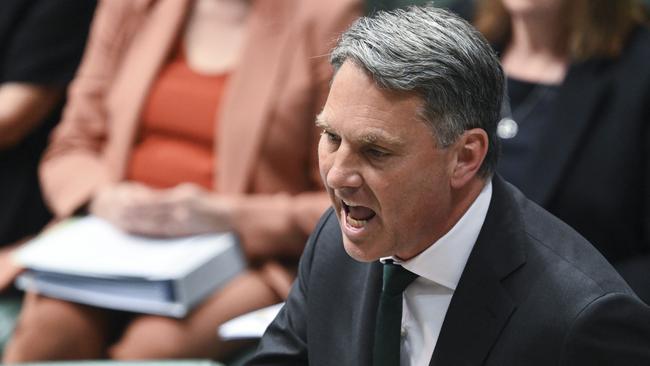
331 137
376 154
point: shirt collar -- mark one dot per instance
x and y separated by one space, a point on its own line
444 261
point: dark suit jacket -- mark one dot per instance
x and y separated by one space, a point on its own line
533 292
594 170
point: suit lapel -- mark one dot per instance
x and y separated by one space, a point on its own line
250 94
364 329
578 102
481 306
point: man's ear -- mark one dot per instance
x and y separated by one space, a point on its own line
470 149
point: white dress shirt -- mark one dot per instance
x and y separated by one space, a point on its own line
439 268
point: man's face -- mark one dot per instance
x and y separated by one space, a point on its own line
388 180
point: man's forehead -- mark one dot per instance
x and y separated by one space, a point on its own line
370 108
352 81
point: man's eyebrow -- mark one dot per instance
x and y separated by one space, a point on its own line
321 122
381 138
369 138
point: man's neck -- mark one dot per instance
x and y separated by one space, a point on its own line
462 199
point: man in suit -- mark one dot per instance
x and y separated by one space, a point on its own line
427 257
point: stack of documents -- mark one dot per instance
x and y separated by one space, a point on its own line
89 261
251 325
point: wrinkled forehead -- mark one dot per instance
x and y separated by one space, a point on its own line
354 93
358 110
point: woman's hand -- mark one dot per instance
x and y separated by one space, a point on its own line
183 210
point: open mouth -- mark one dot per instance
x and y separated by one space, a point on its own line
357 216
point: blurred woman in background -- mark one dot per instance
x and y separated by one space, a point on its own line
189 117
575 131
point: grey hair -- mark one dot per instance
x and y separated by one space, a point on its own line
439 56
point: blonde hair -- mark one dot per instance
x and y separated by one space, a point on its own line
592 28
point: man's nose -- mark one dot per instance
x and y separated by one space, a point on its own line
344 172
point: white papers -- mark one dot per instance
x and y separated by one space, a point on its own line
251 325
90 246
87 260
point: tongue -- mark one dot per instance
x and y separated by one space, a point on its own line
361 213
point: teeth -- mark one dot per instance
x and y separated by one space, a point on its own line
349 204
355 223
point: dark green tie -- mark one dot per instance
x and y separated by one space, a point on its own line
389 315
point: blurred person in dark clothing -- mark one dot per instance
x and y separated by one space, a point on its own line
576 128
41 43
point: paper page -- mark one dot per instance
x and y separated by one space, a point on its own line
251 325
93 247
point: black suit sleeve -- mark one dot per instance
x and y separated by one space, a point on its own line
285 340
614 329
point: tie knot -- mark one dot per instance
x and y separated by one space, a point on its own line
396 279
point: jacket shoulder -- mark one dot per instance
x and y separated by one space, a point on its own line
566 255
613 329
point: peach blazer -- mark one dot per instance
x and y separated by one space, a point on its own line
266 138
